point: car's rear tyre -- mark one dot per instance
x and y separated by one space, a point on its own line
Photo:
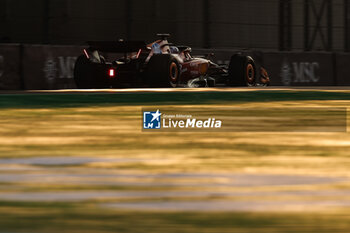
83 73
163 70
242 71
88 74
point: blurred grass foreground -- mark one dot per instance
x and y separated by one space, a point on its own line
79 162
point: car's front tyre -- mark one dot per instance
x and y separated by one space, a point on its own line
242 71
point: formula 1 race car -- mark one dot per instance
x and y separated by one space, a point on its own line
159 64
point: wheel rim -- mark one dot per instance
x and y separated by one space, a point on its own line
173 72
264 79
250 73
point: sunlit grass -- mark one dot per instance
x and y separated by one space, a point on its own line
115 131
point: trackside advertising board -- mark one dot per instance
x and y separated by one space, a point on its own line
300 69
49 67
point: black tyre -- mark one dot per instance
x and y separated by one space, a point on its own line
163 71
242 71
83 73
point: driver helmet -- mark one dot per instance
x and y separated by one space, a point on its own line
174 50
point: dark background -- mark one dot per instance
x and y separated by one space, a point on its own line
299 42
251 24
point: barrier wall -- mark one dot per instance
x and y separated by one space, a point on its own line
35 67
10 62
342 69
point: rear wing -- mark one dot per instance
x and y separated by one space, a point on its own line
117 46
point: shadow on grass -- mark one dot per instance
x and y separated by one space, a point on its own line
86 217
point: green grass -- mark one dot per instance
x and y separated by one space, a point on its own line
174 98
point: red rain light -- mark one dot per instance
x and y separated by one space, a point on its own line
111 73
